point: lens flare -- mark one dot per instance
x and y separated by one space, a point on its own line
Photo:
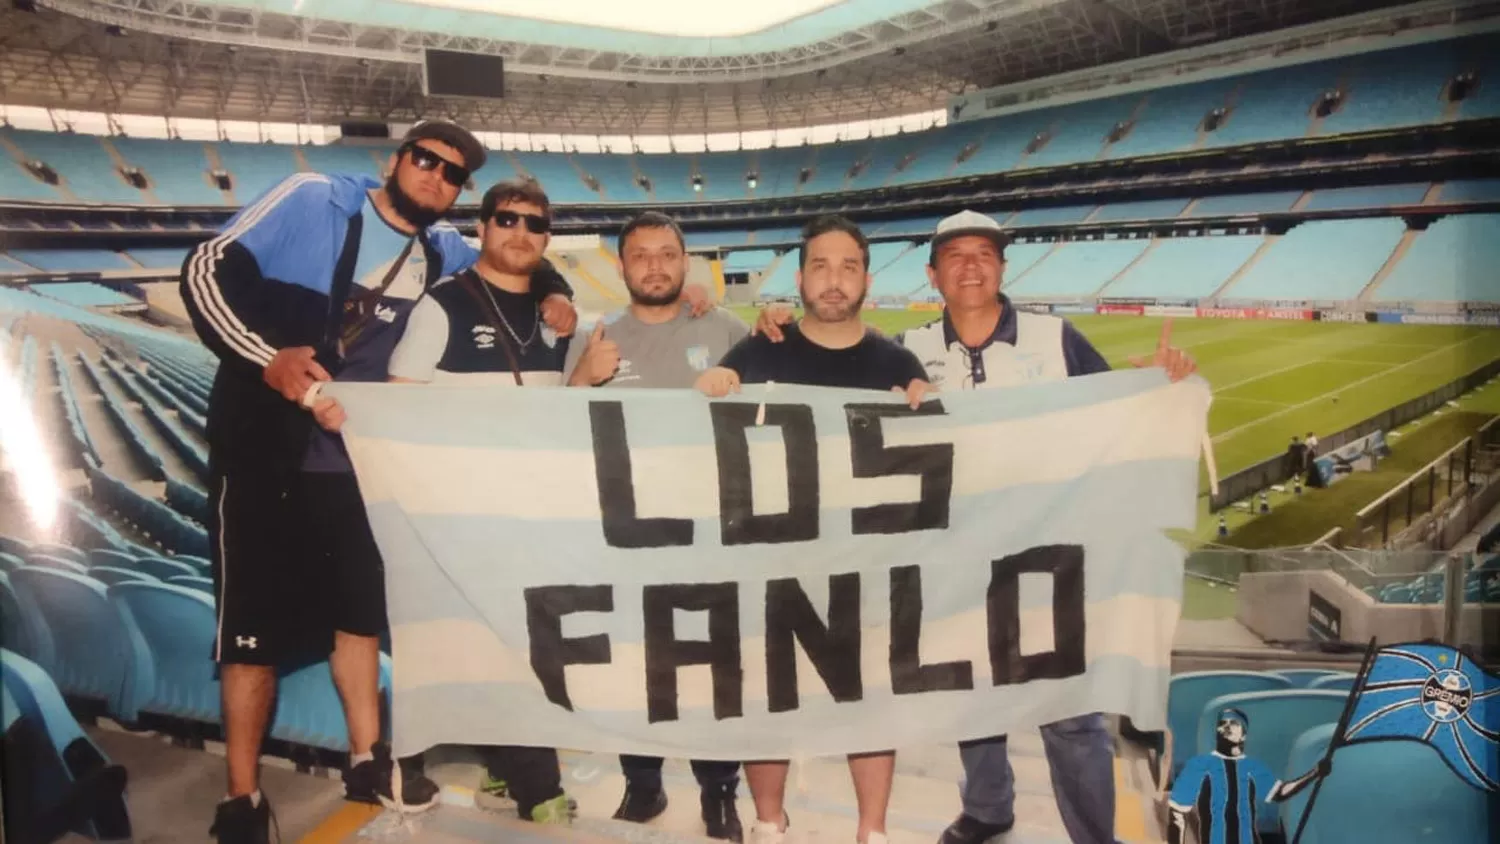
24 450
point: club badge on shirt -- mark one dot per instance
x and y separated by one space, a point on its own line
697 357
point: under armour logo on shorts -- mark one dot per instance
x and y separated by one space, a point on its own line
245 642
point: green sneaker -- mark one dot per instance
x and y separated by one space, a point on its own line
558 811
493 786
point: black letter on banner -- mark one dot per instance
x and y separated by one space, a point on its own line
1003 604
550 652
665 653
737 521
834 649
873 459
617 487
908 674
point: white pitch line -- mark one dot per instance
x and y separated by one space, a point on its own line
1218 399
1288 409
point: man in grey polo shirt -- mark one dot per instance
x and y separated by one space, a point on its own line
657 343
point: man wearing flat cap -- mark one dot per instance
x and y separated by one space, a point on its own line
311 282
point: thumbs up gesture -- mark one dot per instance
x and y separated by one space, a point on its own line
599 361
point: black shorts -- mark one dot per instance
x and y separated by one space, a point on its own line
293 562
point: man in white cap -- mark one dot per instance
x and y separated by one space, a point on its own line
983 341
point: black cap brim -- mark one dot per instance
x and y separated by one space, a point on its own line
453 135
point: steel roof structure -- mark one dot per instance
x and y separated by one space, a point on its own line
242 60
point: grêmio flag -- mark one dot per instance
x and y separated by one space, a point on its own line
785 572
1436 695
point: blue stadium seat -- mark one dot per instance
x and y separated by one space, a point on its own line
51 562
11 545
64 552
1079 268
10 562
1380 92
202 584
22 628
171 634
1337 681
255 168
1303 678
308 710
88 658
1180 267
177 170
83 163
1190 691
1397 791
1277 718
108 557
1320 260
1245 203
1471 190
1448 262
200 563
1367 196
110 575
33 696
164 569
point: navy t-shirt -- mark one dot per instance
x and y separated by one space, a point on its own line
874 363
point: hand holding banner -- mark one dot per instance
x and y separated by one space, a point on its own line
656 573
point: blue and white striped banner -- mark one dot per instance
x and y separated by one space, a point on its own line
652 572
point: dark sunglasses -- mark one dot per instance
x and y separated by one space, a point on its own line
425 159
535 223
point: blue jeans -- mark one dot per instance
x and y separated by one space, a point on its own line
1081 756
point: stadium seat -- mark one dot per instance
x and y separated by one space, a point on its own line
164 569
199 563
10 562
74 757
308 710
1303 678
1336 681
109 557
1384 791
1277 718
1190 691
88 656
51 562
170 631
21 626
65 552
110 575
202 584
11 545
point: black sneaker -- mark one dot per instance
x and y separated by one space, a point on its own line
969 830
720 817
375 781
239 821
641 804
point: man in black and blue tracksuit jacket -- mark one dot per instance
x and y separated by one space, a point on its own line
314 281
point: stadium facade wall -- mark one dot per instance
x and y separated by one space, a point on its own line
1276 607
1274 470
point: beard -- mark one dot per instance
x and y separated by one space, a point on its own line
667 297
410 210
507 260
833 311
1225 747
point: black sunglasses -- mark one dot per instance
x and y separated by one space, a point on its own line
425 159
535 223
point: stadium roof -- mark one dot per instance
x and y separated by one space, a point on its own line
328 61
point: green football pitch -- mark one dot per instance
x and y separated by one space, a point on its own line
1273 380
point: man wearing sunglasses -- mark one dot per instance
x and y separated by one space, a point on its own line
311 281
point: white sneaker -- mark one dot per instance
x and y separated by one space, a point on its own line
766 833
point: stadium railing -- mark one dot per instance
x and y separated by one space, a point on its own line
1274 470
1443 484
